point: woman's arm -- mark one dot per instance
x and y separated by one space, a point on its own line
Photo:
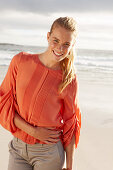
69 154
72 121
23 125
45 134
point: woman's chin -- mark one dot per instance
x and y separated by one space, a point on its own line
58 57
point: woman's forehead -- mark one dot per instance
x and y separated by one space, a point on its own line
62 34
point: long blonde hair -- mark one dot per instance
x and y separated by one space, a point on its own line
67 64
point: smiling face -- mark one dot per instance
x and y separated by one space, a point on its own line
60 42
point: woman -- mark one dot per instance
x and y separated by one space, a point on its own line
39 105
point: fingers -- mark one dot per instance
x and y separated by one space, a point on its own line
55 135
53 138
49 135
51 141
53 131
52 128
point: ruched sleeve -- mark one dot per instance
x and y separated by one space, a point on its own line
8 102
71 114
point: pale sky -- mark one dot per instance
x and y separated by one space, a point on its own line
27 22
51 6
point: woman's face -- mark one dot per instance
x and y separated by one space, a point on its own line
60 41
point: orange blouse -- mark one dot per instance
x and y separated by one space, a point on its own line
30 89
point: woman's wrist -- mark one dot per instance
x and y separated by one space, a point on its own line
69 161
31 130
69 167
34 131
23 125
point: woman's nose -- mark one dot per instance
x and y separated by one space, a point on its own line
60 48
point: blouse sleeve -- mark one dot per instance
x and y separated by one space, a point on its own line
8 102
71 114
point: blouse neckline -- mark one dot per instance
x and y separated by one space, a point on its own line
48 68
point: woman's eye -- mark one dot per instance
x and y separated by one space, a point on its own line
56 41
66 45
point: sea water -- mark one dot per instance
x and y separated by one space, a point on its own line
85 59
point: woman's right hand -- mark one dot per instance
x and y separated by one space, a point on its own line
48 135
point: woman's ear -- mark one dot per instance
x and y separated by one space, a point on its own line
48 35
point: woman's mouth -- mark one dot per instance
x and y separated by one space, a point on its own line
57 54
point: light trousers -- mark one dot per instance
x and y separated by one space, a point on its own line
38 156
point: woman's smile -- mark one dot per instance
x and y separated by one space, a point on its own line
57 54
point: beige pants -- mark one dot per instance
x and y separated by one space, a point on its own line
35 157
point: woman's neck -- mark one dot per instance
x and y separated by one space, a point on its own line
46 59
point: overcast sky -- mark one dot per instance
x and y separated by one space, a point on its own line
50 6
27 21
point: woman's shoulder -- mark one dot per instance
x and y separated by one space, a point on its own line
25 56
20 55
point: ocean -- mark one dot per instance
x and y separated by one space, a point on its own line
85 59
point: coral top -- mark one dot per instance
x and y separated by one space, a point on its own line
31 89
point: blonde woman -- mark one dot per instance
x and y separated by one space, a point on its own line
39 105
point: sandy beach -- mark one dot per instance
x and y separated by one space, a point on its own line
95 149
